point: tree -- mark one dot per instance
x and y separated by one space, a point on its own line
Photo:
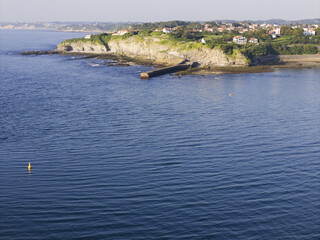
236 24
309 49
212 24
296 49
298 32
286 30
227 49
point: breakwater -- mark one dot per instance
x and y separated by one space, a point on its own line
167 70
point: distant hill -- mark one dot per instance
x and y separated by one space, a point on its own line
274 21
289 22
116 26
68 26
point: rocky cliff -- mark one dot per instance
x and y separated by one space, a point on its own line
158 51
82 46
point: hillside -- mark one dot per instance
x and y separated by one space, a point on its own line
156 49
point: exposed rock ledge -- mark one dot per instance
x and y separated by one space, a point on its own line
152 50
83 47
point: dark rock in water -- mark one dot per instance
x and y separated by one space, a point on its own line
166 70
40 52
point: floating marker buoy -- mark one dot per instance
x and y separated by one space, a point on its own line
29 167
230 94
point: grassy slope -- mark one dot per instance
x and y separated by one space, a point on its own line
153 38
103 39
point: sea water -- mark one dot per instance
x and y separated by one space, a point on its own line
115 157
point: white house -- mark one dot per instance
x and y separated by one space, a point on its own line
243 30
277 31
273 34
121 32
209 29
254 40
308 32
240 40
88 36
166 30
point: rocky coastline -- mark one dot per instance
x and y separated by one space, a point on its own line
155 51
152 53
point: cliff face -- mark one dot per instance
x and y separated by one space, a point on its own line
158 52
85 47
170 54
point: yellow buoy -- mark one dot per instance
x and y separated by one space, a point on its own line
29 167
230 94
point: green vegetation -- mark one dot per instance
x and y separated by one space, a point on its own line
189 46
227 49
189 35
252 51
102 39
169 24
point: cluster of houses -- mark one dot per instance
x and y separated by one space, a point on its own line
243 40
275 32
272 29
309 31
244 27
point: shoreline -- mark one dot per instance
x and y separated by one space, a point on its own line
56 30
282 61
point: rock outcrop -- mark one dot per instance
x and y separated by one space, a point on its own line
84 47
166 53
158 52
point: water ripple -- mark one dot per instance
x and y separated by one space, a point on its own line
114 157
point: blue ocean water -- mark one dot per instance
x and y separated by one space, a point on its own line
116 157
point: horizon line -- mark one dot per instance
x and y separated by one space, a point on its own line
215 20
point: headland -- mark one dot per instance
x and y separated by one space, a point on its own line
258 49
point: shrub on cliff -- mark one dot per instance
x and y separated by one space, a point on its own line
227 49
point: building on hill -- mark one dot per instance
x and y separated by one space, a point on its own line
240 40
209 29
275 32
308 32
121 32
88 36
167 30
254 40
242 30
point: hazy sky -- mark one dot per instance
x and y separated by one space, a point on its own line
156 10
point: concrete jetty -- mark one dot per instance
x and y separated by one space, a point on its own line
167 70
